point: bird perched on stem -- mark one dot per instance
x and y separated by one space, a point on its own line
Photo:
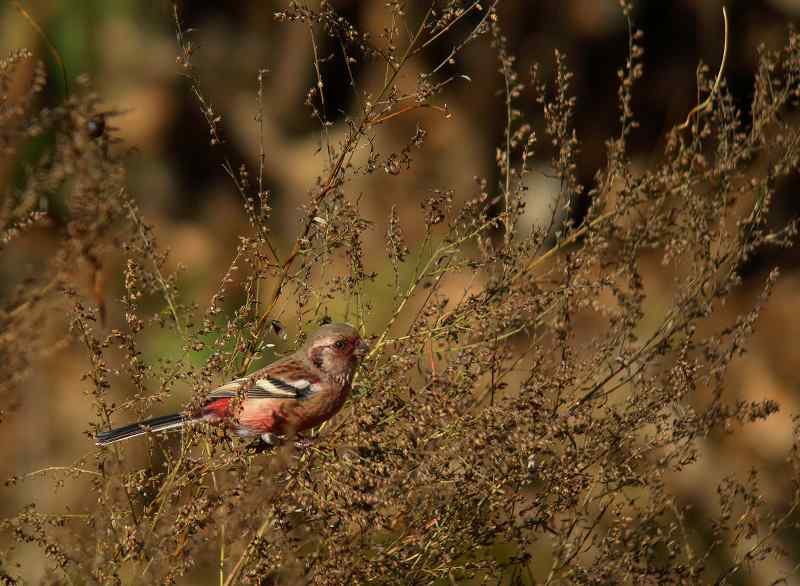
289 396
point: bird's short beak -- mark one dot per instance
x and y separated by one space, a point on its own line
362 349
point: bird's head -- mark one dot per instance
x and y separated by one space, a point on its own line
336 350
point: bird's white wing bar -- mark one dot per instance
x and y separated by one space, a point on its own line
277 388
231 387
264 388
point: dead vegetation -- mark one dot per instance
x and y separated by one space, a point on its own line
534 394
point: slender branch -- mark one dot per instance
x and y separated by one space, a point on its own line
707 102
148 246
330 184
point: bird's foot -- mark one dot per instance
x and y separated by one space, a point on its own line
268 441
303 443
271 439
258 447
265 443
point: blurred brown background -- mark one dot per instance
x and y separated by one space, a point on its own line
129 51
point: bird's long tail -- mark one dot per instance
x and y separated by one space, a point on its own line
163 423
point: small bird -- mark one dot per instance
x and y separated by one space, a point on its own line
291 395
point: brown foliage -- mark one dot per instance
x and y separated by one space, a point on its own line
529 429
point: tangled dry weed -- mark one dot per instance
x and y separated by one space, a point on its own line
532 395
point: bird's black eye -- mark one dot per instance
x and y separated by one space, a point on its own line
339 344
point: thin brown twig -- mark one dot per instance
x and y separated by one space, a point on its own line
405 109
148 246
561 245
705 104
330 184
50 47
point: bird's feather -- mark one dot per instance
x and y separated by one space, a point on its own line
263 388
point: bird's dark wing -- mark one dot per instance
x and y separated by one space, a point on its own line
263 387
